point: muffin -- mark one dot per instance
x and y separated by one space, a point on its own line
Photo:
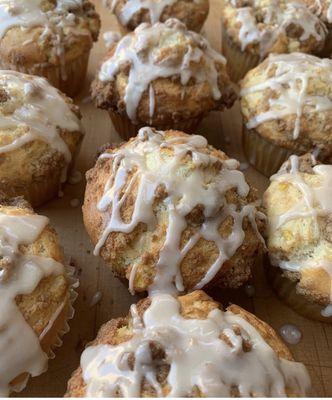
50 38
254 29
35 296
187 347
130 14
40 133
162 76
286 104
323 9
299 235
169 212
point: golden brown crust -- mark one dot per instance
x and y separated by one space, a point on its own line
191 13
122 250
287 40
315 126
299 239
196 305
173 101
26 48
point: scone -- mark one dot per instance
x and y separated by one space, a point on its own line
35 299
299 212
187 347
40 134
162 76
131 13
50 38
169 212
286 104
253 29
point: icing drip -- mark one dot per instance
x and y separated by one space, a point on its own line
329 14
144 51
315 204
130 8
30 14
184 193
196 354
291 76
42 114
20 274
274 21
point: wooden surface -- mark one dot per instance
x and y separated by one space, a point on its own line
223 131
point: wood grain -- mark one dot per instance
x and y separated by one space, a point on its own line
223 131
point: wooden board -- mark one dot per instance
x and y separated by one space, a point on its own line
223 131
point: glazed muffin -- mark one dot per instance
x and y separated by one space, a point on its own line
130 14
36 294
163 76
187 347
169 212
50 38
323 9
253 29
299 215
40 134
286 103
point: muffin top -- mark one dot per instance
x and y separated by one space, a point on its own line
46 31
187 347
39 128
131 13
287 99
299 211
33 288
168 212
162 73
261 27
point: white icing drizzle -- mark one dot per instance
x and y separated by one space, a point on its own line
43 113
56 22
197 355
111 37
130 8
20 274
184 193
290 79
277 16
329 14
143 51
314 204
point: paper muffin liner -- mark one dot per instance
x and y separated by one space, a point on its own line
126 129
69 78
262 154
238 62
286 291
63 325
